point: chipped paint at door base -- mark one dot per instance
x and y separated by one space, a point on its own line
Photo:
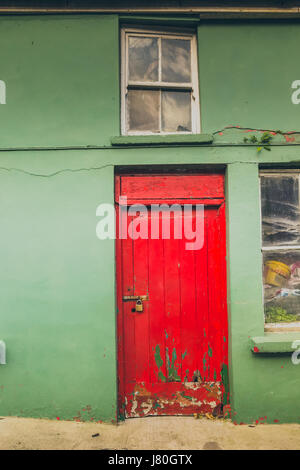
181 399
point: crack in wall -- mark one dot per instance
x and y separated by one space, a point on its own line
50 175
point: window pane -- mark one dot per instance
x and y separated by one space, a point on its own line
176 60
282 286
143 59
280 210
176 111
143 110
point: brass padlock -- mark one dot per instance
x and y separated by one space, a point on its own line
139 307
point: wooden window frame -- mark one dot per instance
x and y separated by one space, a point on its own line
192 86
285 327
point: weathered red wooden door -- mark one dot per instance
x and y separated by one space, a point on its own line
172 357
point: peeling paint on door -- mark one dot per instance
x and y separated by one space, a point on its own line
186 398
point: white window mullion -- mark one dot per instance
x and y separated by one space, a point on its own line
281 248
159 59
195 104
169 85
160 112
124 81
299 193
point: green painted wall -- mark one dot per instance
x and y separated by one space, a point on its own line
246 71
62 76
57 280
57 296
62 83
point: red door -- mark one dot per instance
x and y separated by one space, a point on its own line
172 356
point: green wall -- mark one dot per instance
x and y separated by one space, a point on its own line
57 296
246 71
62 76
62 83
57 280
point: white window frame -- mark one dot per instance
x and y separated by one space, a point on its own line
193 86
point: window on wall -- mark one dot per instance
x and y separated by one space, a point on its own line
280 207
159 83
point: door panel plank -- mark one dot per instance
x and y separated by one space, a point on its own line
157 306
202 304
141 266
190 335
173 186
129 319
172 319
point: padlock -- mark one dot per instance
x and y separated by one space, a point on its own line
139 306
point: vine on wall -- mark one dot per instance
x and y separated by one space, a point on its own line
263 143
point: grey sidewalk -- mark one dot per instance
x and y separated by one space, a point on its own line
145 433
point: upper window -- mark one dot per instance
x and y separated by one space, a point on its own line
280 206
159 83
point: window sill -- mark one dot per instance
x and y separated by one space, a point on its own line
282 327
171 139
273 343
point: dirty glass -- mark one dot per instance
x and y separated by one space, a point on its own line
280 210
281 274
143 110
176 60
281 255
176 111
143 58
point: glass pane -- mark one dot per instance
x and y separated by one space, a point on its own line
176 60
143 59
280 210
143 110
176 111
282 286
